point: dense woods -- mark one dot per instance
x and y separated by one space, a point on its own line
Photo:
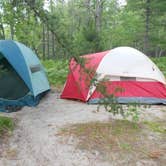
60 29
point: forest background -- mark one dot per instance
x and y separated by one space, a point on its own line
61 29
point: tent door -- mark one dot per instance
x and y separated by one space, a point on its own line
12 87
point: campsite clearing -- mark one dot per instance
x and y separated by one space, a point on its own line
44 136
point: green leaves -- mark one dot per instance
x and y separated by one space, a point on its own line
110 103
161 63
57 71
71 28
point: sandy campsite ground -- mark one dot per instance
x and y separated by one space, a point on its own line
35 141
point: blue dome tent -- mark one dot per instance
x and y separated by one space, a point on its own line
22 76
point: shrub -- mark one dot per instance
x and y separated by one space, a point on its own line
57 71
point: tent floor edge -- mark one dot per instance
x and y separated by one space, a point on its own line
16 105
127 100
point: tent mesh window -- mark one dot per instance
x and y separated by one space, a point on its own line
12 87
35 68
128 78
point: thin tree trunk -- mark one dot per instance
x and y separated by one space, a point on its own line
160 53
44 46
156 52
88 8
2 33
48 43
98 14
53 46
52 35
146 37
12 31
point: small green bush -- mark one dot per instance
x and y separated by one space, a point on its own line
57 71
161 63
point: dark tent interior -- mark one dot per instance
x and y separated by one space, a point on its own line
12 87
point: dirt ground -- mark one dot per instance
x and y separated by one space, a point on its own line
35 141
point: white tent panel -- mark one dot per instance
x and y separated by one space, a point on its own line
129 62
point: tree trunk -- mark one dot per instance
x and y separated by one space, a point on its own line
88 8
44 46
98 14
48 42
53 46
160 53
12 31
2 31
146 37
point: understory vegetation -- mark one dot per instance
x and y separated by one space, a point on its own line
57 70
161 63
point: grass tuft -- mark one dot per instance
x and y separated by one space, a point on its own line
6 125
159 127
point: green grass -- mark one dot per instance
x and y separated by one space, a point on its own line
6 125
159 127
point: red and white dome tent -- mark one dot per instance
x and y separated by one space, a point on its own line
124 67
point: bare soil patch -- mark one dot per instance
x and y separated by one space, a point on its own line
120 137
